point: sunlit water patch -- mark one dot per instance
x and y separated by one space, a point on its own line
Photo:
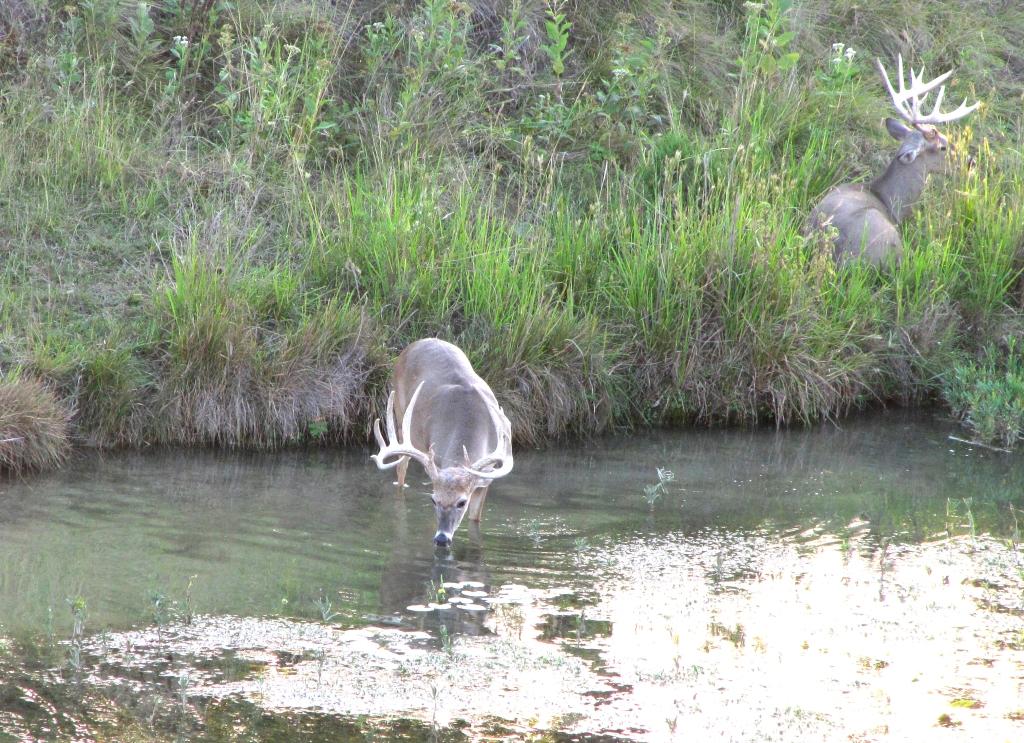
897 642
860 584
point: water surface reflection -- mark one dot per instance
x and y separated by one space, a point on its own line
815 583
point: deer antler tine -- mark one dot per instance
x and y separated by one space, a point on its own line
938 101
933 84
378 458
502 454
885 77
898 97
389 419
407 419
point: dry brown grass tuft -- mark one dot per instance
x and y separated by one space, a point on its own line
33 426
288 401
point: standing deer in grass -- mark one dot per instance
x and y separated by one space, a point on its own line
451 424
863 220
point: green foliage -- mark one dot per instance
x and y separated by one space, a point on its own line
250 358
271 93
557 28
988 395
654 491
226 218
767 46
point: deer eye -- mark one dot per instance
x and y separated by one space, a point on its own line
461 503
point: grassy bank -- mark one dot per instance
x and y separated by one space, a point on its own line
220 222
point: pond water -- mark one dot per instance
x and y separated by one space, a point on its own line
856 582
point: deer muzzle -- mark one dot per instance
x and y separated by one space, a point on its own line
448 519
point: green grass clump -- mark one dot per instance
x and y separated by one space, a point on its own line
34 431
245 358
988 395
223 220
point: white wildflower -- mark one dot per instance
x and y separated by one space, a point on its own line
849 54
181 41
838 47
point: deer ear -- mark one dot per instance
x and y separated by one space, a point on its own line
908 152
897 129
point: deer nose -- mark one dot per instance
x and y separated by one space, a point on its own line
441 540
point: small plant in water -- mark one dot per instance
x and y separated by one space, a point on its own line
159 604
446 639
882 569
954 516
435 694
183 683
511 617
1014 542
534 531
190 607
436 592
654 491
969 514
78 608
320 656
323 603
317 429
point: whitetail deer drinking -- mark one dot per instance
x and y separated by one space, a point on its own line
451 424
862 220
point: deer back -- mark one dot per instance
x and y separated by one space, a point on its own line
452 409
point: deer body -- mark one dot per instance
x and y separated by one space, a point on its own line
865 219
451 424
862 221
452 386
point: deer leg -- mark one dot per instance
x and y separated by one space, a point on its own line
403 465
476 504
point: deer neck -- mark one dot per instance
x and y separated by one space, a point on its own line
900 187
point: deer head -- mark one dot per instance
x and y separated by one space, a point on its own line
921 139
453 486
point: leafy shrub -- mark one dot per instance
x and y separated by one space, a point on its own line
988 395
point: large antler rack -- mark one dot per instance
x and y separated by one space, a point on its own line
908 101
